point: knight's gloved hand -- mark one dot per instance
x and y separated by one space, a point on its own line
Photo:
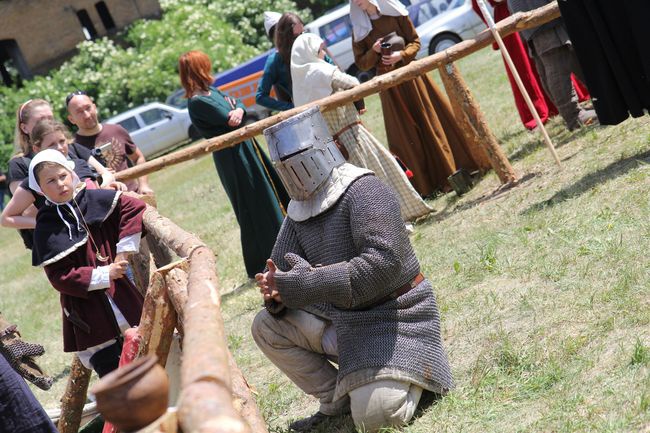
19 353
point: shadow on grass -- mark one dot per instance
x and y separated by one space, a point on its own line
63 374
559 139
613 170
451 209
344 424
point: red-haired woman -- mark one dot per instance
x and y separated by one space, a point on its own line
252 185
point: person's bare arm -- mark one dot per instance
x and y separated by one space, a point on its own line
19 213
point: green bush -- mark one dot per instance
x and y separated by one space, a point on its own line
121 78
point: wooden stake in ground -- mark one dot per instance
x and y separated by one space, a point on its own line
158 318
492 26
72 402
474 126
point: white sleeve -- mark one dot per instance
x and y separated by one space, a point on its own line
100 278
129 244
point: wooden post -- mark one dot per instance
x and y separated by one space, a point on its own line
206 399
176 280
74 398
514 23
473 124
243 399
140 263
158 318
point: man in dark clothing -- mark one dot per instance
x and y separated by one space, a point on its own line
114 141
20 412
551 48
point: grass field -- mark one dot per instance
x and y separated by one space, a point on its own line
543 289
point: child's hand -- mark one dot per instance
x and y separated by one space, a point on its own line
117 270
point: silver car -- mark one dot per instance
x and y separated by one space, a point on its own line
156 127
443 23
440 24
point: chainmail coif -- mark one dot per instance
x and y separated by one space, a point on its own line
339 264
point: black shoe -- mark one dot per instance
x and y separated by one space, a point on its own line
309 423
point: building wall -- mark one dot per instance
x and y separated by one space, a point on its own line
47 30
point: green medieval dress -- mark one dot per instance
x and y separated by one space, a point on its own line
250 181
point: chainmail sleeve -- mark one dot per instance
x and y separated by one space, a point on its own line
286 242
375 269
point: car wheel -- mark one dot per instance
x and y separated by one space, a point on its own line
193 133
362 76
442 42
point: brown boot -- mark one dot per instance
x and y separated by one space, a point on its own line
19 354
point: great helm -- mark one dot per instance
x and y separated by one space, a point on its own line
303 152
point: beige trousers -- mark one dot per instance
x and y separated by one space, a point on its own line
302 345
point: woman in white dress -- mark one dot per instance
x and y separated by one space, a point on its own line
313 78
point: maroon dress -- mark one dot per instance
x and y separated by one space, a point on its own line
69 263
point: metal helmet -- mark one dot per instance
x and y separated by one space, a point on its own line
303 152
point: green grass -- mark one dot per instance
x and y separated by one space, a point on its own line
543 289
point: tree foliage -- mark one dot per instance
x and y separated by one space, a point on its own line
120 78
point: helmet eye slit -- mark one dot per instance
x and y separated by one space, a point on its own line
296 175
305 167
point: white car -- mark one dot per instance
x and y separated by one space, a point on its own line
156 127
439 23
443 23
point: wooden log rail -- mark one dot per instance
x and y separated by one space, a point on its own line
514 23
206 400
214 396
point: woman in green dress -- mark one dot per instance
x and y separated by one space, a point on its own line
250 181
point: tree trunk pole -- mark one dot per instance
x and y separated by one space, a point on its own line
206 404
176 280
473 124
514 23
243 399
158 318
74 398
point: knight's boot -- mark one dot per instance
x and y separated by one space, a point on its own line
20 355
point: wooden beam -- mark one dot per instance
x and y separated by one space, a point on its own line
74 398
206 398
514 23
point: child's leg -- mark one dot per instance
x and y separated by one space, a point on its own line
107 359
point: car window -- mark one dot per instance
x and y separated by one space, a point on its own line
455 3
130 124
177 99
337 30
423 12
152 116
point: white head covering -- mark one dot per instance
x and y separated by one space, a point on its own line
361 24
270 19
51 155
311 76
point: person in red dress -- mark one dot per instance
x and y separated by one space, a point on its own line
527 71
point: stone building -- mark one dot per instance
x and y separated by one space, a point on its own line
36 35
